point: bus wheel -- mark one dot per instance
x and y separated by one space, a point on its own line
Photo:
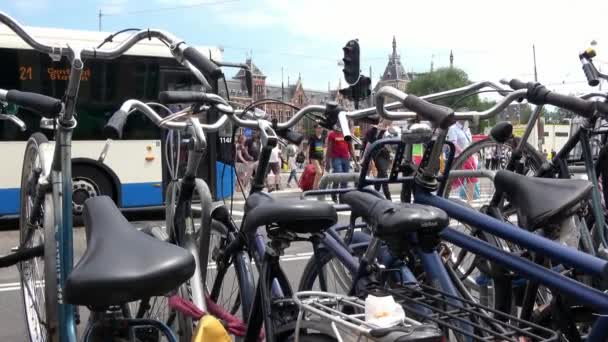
88 181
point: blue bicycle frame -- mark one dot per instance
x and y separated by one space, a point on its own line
436 271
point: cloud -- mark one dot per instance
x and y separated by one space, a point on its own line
490 39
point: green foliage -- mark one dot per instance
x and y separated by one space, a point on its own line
449 78
558 115
445 79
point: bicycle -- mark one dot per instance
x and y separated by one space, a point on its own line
289 221
425 181
559 167
46 227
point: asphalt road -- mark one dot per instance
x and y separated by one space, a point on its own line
12 325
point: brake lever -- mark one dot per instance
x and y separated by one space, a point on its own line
15 120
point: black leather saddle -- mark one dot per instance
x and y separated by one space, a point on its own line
542 201
295 215
122 264
394 219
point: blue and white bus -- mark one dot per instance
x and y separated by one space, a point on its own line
128 170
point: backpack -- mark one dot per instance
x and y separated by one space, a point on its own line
307 179
300 158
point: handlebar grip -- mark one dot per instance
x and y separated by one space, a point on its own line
440 116
113 129
169 97
541 95
591 74
291 136
516 84
202 63
46 106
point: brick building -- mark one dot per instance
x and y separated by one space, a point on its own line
294 94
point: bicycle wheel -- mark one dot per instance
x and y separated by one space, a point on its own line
478 191
479 276
338 279
36 225
229 281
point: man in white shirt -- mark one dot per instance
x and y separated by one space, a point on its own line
274 165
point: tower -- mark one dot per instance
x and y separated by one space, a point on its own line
451 59
394 74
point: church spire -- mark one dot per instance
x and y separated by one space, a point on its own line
394 46
451 59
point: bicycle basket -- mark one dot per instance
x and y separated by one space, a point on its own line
463 317
347 319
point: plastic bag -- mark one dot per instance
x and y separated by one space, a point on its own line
383 312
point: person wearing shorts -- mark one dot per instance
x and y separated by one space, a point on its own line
274 166
316 152
339 151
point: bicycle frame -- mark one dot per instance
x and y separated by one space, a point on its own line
434 267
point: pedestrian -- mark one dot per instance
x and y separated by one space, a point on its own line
382 158
340 152
460 134
292 152
254 146
495 158
274 166
553 153
244 163
316 153
487 156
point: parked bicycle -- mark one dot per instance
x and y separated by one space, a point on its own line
424 181
120 265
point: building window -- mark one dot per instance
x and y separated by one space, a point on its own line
561 134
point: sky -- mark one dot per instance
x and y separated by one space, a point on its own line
490 39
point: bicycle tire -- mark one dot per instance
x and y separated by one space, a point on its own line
308 279
240 300
532 158
40 327
532 162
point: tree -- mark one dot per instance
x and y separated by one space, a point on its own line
445 79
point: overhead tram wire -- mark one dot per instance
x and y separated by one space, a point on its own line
171 8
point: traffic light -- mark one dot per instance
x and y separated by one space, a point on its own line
364 87
351 62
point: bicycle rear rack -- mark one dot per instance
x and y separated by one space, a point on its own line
463 317
352 326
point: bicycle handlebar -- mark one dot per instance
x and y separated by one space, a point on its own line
113 129
538 94
46 106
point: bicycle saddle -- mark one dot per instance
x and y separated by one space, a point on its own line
122 264
299 216
390 219
541 201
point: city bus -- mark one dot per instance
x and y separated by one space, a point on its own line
128 170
